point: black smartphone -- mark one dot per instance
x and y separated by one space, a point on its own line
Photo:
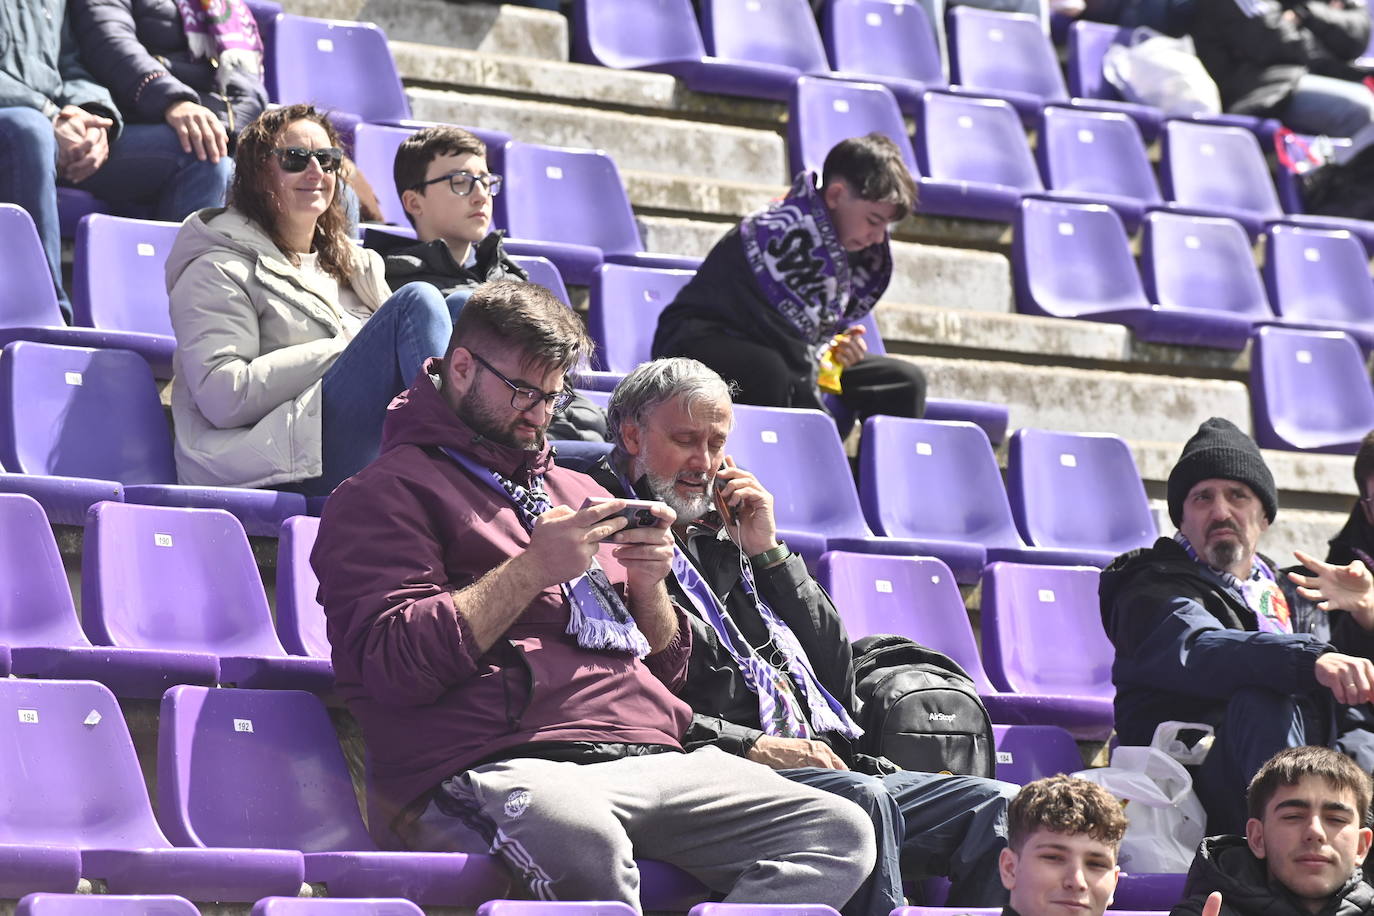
727 515
638 513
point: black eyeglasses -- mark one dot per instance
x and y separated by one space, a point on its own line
523 399
462 183
297 158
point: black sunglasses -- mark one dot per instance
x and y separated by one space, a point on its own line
297 158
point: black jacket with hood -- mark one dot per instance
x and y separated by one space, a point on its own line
1226 864
409 261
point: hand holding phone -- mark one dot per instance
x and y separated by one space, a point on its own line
638 513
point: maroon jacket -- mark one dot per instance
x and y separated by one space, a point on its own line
396 540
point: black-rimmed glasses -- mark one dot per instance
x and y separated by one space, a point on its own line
462 183
297 158
522 398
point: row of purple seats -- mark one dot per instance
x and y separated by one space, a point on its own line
169 596
80 425
622 314
172 905
245 825
1031 614
1309 391
1196 283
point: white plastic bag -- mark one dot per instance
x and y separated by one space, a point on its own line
1165 72
1165 819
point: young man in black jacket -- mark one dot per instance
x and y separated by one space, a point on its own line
1304 843
771 675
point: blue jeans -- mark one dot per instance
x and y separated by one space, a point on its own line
378 364
146 166
1335 107
929 824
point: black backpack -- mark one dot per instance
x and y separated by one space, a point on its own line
1345 190
920 709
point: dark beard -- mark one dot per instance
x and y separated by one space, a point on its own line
480 420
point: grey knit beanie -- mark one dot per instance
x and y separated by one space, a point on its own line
1219 449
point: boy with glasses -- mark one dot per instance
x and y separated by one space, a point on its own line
446 188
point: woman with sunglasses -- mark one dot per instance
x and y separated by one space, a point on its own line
289 343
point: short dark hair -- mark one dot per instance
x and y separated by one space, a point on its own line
872 166
424 146
1364 462
1290 765
1065 804
523 316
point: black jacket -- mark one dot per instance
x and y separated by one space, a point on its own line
1256 55
1225 863
1185 642
726 710
408 261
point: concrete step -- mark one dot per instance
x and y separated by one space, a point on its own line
424 62
515 31
1310 479
930 275
636 142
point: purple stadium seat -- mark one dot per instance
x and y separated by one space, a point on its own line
1319 279
40 629
1029 752
1009 56
543 272
917 597
1309 391
1087 45
937 485
665 38
1201 264
1146 894
623 311
1099 157
798 456
975 157
374 151
569 206
332 906
344 67
600 398
73 206
78 412
782 33
26 868
185 579
943 911
886 41
1042 635
119 283
300 619
104 905
28 302
221 783
5 661
65 499
70 777
761 909
823 112
554 908
1218 170
1054 478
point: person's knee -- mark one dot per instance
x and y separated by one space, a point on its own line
848 831
27 138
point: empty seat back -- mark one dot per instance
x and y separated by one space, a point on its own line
1309 390
625 303
300 619
104 905
1318 275
160 578
337 65
545 273
1212 166
883 37
999 51
623 35
1201 262
77 412
567 195
36 602
119 281
27 297
1096 152
966 138
825 111
1059 484
779 32
1073 259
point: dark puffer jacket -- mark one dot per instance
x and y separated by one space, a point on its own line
1226 864
123 41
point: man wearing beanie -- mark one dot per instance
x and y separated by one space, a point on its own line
1203 632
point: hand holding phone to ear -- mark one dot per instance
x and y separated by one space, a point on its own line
751 524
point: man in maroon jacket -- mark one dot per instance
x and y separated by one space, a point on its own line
512 655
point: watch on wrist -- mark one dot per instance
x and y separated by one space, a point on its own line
771 555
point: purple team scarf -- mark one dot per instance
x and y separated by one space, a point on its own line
223 31
1260 590
804 271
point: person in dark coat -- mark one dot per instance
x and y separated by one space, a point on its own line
1204 630
1305 841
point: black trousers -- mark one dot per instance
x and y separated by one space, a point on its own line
875 385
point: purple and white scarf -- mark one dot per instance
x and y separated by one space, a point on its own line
225 32
596 615
802 267
1260 590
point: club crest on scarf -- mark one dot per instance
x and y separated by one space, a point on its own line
804 271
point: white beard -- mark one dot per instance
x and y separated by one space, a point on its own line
689 509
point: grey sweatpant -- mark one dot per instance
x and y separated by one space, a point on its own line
572 831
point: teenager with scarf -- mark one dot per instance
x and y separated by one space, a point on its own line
771 677
1206 629
512 655
788 286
